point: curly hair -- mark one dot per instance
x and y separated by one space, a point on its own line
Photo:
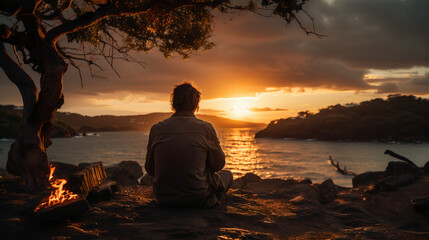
185 97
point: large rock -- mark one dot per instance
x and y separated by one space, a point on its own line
249 178
125 173
393 182
421 204
327 191
366 179
83 165
305 181
237 183
146 180
426 167
401 168
133 169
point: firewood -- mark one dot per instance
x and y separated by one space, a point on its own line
90 177
103 191
66 210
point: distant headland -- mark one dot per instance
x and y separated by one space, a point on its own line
70 124
398 118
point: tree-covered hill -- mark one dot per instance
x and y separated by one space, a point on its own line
138 122
10 120
398 118
68 124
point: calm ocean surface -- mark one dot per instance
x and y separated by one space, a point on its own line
281 158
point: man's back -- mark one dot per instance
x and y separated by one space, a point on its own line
183 153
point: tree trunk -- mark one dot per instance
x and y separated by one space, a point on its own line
27 156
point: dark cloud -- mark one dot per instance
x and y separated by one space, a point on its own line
267 109
417 85
254 52
423 81
383 34
387 88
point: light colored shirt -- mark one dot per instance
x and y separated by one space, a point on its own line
182 154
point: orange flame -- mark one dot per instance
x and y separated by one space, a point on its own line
58 194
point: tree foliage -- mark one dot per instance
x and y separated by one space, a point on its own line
112 28
398 118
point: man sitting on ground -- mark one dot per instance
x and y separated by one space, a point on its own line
184 155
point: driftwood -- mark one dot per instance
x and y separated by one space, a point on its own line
395 155
342 171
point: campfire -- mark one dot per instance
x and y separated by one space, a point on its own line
88 183
58 194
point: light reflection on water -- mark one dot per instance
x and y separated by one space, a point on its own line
283 158
280 158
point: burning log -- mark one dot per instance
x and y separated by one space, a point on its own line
342 171
61 204
58 195
65 210
66 204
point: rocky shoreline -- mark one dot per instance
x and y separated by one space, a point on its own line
254 208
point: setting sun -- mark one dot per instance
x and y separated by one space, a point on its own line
240 111
240 108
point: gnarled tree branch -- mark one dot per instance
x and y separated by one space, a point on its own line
21 79
57 11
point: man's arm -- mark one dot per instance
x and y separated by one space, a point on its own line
149 164
216 157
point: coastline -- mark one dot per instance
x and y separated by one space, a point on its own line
254 208
350 140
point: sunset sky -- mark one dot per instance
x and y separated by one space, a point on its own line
262 70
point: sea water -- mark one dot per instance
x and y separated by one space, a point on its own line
275 158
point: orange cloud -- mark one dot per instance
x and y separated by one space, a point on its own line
267 109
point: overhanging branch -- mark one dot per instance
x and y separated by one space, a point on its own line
121 8
91 18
